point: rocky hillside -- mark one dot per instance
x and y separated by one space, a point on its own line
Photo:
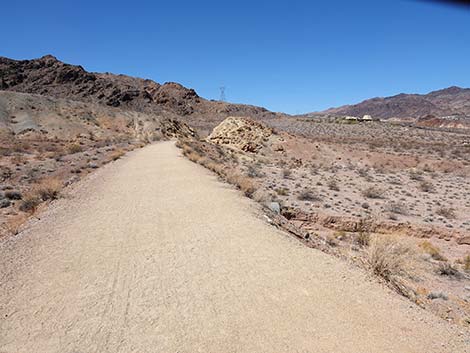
50 77
445 102
241 133
23 115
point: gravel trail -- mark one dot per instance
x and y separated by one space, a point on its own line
153 254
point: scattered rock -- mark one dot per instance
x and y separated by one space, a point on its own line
275 207
437 295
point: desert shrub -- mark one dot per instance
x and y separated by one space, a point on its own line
18 159
5 151
245 184
466 263
373 192
363 238
396 208
416 175
13 225
446 269
392 260
282 191
426 186
48 189
115 155
286 173
74 148
332 240
30 202
432 250
309 195
333 184
446 212
254 171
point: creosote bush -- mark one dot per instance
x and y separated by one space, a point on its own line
74 148
373 192
446 212
48 189
309 195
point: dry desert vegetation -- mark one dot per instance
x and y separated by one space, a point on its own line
47 144
391 198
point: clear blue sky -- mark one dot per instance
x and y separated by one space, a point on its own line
291 56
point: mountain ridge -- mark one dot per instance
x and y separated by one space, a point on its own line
448 101
49 76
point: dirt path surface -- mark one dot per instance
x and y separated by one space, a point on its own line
153 254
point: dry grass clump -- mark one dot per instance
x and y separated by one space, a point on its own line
117 154
308 195
30 202
446 212
333 184
426 186
282 191
432 250
74 148
48 188
396 208
245 184
373 192
446 269
13 225
286 173
363 238
393 260
466 263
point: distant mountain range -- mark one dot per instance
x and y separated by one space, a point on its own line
441 103
48 76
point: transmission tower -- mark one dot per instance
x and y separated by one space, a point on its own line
222 94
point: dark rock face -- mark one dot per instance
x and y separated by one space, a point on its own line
445 102
51 77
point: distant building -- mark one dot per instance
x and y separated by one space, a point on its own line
367 118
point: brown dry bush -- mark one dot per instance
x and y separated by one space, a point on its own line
74 148
396 208
13 225
446 212
392 260
30 202
282 191
466 263
446 269
426 186
373 192
245 184
48 188
309 195
363 239
432 250
115 155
